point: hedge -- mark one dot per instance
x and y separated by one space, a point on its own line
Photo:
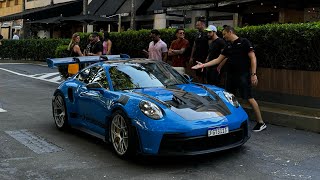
286 46
30 49
281 46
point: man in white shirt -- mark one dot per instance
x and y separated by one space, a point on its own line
15 36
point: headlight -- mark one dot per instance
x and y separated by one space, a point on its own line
150 109
231 98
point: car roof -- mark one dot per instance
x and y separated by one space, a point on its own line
130 61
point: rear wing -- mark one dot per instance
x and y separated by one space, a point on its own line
54 62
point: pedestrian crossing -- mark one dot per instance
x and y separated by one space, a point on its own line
49 77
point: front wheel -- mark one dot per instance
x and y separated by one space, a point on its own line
122 135
59 111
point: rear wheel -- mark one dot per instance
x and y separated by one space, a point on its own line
122 135
59 111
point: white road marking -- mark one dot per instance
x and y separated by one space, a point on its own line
48 75
26 63
30 76
56 79
2 110
33 142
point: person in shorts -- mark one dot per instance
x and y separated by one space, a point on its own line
241 70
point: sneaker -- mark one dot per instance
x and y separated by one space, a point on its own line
259 127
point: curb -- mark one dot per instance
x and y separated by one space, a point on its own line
287 119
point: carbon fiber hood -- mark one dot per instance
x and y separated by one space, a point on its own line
191 102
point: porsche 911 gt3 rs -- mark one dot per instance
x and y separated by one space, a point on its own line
145 106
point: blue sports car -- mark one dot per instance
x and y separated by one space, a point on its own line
145 106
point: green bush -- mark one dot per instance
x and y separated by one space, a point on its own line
133 42
62 51
34 49
285 46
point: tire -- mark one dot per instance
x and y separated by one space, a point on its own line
59 111
122 135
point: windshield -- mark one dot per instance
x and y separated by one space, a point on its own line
144 75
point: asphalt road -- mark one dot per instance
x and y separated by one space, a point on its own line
277 153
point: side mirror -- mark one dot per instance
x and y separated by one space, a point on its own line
93 85
188 78
96 87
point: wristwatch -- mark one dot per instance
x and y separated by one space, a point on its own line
253 74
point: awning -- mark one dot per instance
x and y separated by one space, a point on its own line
177 5
107 7
66 9
87 19
126 7
53 20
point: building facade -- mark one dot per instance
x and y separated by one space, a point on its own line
247 12
8 7
19 15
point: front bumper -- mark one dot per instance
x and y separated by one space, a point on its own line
190 142
176 144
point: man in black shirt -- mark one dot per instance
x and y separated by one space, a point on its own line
241 70
215 48
96 47
200 48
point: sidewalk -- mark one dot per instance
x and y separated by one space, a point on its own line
297 117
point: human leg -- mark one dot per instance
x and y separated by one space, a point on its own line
245 89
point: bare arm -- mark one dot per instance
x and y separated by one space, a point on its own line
253 59
221 64
97 54
176 52
76 49
210 63
109 47
164 56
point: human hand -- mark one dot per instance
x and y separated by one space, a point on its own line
170 52
198 66
254 80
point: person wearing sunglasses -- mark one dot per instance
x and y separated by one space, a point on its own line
177 51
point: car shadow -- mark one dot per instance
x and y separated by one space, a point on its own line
174 161
167 162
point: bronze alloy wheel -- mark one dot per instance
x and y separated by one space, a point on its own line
119 134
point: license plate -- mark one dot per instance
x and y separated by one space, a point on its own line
214 131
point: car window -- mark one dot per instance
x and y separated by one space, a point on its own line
143 75
100 77
87 74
